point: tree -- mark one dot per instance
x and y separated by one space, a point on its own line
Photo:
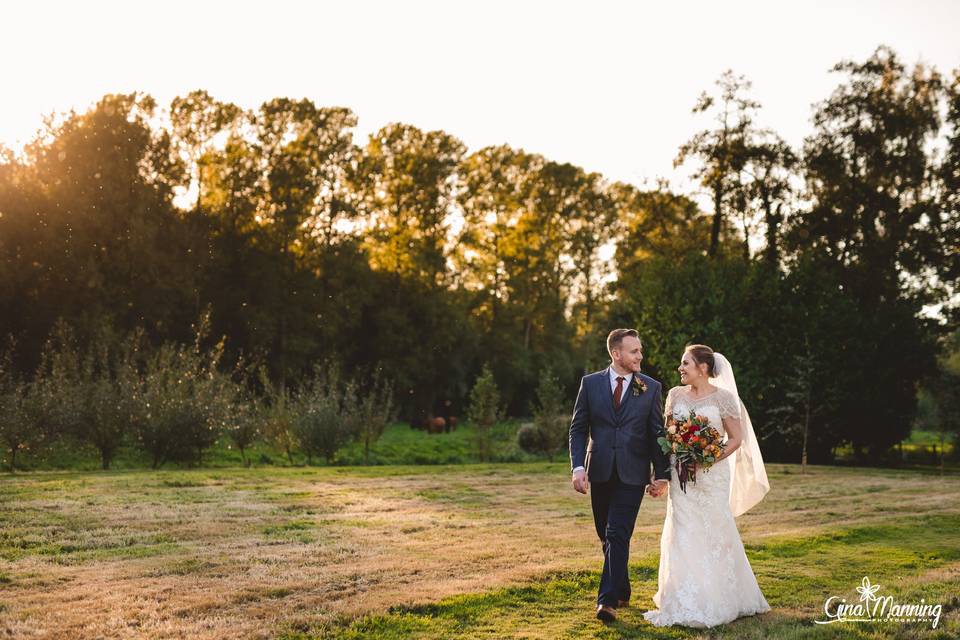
945 219
769 163
941 390
244 410
871 182
278 415
243 425
722 150
196 119
20 431
547 434
325 414
484 412
493 182
183 400
406 185
91 387
373 410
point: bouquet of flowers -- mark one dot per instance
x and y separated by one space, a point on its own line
695 444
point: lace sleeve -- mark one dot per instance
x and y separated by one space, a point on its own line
668 409
728 405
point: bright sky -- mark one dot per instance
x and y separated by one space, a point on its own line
605 85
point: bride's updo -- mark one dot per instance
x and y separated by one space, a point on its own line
702 354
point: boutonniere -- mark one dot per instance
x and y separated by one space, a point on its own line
639 386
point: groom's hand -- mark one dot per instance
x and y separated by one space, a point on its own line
580 482
657 488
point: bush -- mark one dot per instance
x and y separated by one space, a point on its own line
532 439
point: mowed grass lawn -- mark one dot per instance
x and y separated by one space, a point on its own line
468 551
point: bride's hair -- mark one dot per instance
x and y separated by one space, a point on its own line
702 354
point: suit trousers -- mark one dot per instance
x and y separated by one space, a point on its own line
615 507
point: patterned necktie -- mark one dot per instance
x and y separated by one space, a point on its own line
618 393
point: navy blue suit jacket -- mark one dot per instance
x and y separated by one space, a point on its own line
601 437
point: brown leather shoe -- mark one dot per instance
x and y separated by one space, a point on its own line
621 604
605 613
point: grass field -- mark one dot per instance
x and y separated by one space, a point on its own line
399 444
491 551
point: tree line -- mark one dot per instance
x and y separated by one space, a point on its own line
826 273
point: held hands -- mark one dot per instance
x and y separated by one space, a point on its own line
657 488
580 482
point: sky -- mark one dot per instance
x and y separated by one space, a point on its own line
607 86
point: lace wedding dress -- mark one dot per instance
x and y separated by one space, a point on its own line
705 578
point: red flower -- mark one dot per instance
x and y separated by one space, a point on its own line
694 439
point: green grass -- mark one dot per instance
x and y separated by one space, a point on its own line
399 444
796 575
402 445
437 551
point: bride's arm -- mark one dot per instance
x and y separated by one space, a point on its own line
734 436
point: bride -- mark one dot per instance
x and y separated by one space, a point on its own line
705 578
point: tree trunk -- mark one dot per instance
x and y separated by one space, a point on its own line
773 225
717 218
943 451
806 433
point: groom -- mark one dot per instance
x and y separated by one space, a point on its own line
616 421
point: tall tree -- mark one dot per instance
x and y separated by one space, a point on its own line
302 152
405 186
196 119
722 151
406 180
871 182
98 188
491 195
945 219
770 164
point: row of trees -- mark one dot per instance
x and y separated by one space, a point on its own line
175 401
826 273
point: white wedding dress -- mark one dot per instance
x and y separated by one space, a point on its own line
705 578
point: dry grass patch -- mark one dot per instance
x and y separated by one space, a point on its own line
249 553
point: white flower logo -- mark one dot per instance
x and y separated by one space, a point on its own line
866 590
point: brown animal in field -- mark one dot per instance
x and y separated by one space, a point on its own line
437 425
434 424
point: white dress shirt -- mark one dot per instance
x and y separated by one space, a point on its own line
627 379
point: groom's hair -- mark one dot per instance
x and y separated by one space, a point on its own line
616 338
